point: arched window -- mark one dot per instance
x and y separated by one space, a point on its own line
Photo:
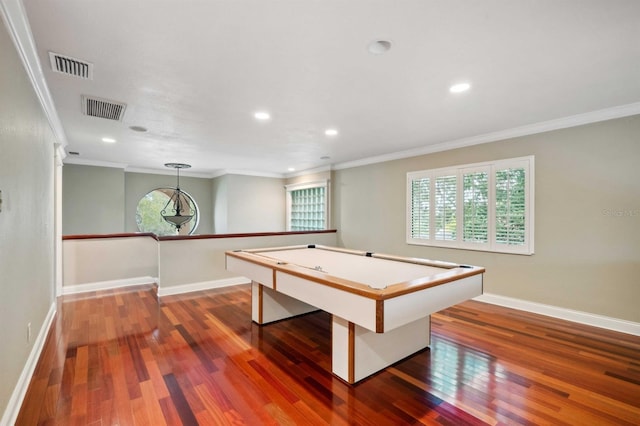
148 215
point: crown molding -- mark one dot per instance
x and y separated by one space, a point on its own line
15 19
321 169
127 169
149 171
95 163
530 129
168 172
247 173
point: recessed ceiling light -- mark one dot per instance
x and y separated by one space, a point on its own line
378 47
109 140
262 115
325 157
331 132
459 88
138 128
291 169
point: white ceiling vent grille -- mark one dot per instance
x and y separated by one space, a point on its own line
102 108
71 66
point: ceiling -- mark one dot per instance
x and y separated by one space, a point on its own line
193 73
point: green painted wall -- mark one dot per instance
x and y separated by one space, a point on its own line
587 216
26 220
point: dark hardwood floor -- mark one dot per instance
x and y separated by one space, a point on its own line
125 358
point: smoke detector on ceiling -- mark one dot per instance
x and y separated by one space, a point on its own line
71 66
103 108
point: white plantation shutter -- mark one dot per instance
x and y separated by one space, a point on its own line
445 208
510 206
420 208
483 206
475 204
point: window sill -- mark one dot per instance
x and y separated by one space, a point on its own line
523 251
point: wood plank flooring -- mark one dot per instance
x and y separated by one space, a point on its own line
125 358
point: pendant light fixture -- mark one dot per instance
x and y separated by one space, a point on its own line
177 211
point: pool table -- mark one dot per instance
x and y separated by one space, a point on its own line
380 304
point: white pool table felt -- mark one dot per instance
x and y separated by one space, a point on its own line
374 272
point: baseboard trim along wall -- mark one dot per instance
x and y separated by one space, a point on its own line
204 285
15 402
586 318
107 285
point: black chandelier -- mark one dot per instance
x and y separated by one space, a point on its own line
177 211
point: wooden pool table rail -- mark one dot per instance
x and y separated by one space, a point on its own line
451 272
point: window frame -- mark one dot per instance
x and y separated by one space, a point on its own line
308 185
491 168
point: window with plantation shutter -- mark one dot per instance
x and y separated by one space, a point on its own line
307 207
484 206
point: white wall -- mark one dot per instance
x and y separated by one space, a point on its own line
26 221
108 262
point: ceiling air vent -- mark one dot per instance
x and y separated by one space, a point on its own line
71 66
102 108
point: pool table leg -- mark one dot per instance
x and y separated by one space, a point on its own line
268 305
358 353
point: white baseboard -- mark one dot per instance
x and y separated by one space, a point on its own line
107 285
586 318
205 285
20 390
